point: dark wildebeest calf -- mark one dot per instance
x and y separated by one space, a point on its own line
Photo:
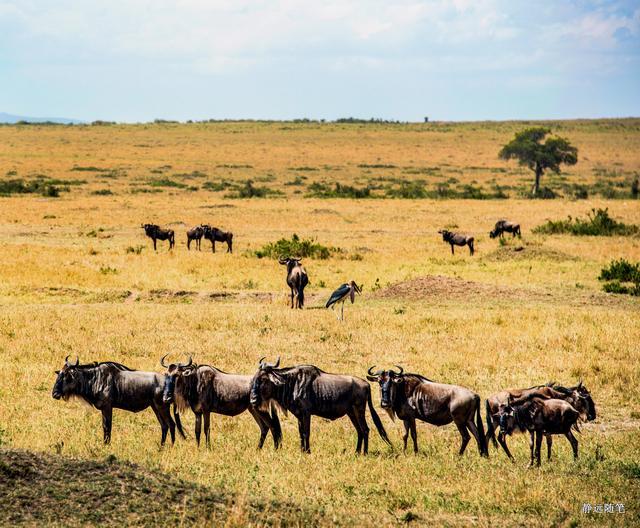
109 385
457 239
216 235
412 396
578 396
206 389
297 279
155 232
540 418
195 233
504 226
307 391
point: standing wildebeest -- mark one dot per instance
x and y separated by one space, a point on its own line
540 417
216 235
457 239
578 396
504 226
155 232
297 279
307 391
412 396
195 233
206 389
109 385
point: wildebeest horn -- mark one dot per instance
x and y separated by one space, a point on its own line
66 361
162 360
263 364
187 364
376 373
400 372
282 260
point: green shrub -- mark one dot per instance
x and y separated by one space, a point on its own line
623 277
597 223
408 190
102 192
166 182
217 186
137 250
322 190
248 190
295 247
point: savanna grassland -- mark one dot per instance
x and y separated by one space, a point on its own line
79 277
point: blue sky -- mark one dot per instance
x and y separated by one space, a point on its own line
136 60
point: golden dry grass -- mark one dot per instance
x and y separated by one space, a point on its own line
70 287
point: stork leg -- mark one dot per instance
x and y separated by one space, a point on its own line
342 312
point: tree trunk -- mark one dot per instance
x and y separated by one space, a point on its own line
536 185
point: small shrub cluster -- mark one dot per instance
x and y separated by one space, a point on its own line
622 277
323 190
249 190
295 247
166 182
597 223
18 186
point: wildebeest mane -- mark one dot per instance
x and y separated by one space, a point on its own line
418 377
295 387
96 364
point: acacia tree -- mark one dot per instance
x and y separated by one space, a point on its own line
529 149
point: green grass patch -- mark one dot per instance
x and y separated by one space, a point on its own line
167 182
249 190
597 223
323 190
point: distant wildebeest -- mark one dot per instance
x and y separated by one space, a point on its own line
195 233
457 239
297 279
540 417
206 389
155 232
504 226
307 391
216 235
413 397
578 396
109 385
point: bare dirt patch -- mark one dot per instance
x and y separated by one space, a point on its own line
527 251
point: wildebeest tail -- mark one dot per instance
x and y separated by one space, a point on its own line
491 432
471 241
176 416
276 430
376 420
483 441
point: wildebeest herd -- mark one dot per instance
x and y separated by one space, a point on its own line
306 391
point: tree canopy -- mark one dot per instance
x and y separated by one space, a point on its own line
533 149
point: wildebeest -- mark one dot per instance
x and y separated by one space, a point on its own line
297 279
206 389
109 385
504 226
412 396
457 239
307 391
578 396
195 233
540 417
216 235
155 232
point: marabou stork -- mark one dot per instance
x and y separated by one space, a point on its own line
348 289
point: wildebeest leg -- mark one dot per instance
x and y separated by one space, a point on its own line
452 252
405 436
549 443
107 413
304 428
198 427
354 420
474 431
154 245
531 447
361 417
574 444
503 443
189 244
465 437
291 297
414 434
471 248
163 423
207 429
262 424
165 413
213 245
539 436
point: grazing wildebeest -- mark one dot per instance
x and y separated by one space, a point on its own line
307 391
457 239
155 232
412 396
206 389
504 226
216 235
578 396
540 417
195 233
109 385
297 279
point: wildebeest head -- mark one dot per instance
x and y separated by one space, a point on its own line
67 380
265 383
493 233
446 234
290 262
591 406
581 401
507 418
149 228
390 384
173 371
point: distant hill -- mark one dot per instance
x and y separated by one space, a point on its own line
10 118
